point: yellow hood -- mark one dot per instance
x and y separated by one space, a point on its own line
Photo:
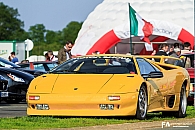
80 83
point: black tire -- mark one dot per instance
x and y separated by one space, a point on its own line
181 113
142 103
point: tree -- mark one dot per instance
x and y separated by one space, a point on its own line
50 37
71 31
10 26
37 33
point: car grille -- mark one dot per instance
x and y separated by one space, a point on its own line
3 85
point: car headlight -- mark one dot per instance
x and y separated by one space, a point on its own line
2 78
15 78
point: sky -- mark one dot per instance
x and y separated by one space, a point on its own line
53 14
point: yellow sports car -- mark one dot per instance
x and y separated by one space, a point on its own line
109 85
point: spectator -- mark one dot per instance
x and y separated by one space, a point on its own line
14 58
64 53
10 58
163 50
176 53
47 57
171 50
51 56
176 45
187 48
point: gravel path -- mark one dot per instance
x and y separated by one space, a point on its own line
136 126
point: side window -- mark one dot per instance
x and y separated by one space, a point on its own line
144 66
39 67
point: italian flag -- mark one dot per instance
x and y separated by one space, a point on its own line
139 26
91 40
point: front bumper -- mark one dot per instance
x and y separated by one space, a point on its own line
83 105
4 95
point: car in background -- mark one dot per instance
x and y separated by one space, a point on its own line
8 64
39 65
109 85
13 84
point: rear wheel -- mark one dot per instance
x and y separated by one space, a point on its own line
142 103
183 104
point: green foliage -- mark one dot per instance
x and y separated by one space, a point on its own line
37 33
38 49
71 31
10 26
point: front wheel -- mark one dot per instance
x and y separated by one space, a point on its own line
183 104
142 103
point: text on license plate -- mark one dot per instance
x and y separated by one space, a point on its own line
3 94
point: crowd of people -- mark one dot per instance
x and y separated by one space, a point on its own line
175 50
64 53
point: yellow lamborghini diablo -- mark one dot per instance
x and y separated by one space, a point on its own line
109 85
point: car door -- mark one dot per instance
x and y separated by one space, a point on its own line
156 92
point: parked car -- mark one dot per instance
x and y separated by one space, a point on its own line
8 64
110 85
39 65
13 84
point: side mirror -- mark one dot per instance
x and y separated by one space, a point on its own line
153 74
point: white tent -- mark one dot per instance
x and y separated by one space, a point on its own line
111 13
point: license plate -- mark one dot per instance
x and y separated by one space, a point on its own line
42 106
3 94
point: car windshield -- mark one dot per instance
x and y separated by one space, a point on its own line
6 63
97 65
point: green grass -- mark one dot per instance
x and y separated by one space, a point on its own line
59 122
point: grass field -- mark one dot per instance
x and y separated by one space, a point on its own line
56 122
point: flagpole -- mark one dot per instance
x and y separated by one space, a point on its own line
131 46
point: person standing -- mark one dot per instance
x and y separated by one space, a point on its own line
163 50
14 58
51 56
64 53
47 57
176 53
186 48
